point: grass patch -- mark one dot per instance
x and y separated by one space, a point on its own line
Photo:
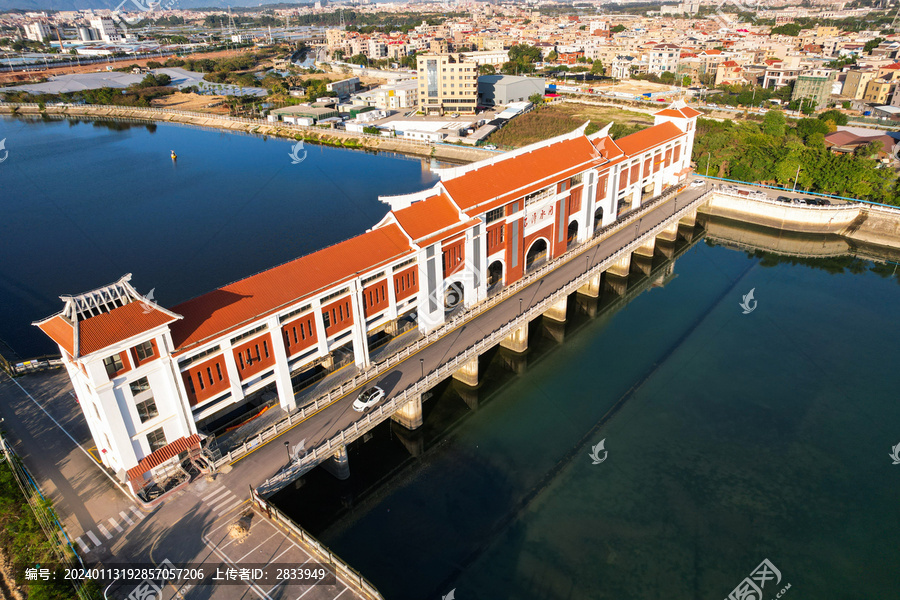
562 117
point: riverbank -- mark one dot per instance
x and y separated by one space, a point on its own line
859 223
328 137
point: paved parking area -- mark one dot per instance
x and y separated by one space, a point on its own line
245 539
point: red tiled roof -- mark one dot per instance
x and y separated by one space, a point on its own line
238 303
506 177
424 218
60 331
647 138
106 329
728 63
158 457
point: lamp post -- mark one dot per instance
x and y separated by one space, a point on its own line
422 364
287 448
520 306
796 177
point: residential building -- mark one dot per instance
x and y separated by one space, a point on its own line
855 82
106 29
878 91
37 31
814 88
151 381
447 83
729 73
663 58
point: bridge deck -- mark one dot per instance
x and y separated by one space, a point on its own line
319 430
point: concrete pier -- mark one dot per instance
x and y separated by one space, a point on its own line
555 330
517 340
557 312
338 464
646 249
410 414
591 288
614 283
642 263
669 234
468 373
621 267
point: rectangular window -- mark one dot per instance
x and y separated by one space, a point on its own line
146 409
326 319
156 439
113 364
493 215
138 386
219 371
144 351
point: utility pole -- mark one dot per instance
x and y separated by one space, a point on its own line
796 177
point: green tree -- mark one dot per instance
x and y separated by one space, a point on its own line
667 77
536 99
617 29
552 56
486 69
774 124
791 29
872 44
837 116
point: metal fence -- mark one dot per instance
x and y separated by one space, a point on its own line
61 545
38 66
341 568
33 365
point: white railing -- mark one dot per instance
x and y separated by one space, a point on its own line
402 354
347 573
386 409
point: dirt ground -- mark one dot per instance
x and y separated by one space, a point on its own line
26 77
601 114
192 102
634 87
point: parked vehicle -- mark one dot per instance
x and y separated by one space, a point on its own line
368 398
783 199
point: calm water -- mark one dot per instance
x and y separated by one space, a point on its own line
86 202
739 438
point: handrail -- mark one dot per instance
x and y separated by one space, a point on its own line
349 573
386 409
389 361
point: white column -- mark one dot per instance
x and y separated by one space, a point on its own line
588 191
359 335
282 369
321 336
392 295
234 376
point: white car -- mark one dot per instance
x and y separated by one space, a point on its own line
490 147
368 398
697 183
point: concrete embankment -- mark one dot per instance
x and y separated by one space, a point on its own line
330 137
860 225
